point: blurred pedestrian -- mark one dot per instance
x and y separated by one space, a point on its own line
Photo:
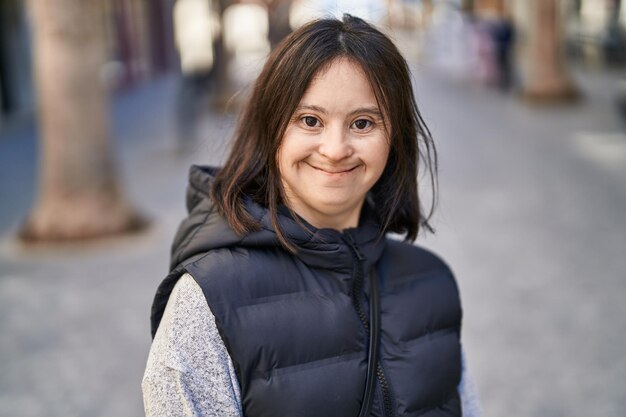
503 33
196 26
285 298
484 49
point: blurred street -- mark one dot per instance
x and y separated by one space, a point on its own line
531 218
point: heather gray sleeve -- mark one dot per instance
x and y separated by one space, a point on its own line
468 392
189 371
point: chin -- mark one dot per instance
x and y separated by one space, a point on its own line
334 207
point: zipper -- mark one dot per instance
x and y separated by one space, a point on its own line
357 286
357 290
386 389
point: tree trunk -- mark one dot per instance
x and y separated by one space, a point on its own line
224 89
79 195
547 79
278 16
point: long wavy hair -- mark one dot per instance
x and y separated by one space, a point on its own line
251 169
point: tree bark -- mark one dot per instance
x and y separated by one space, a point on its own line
547 78
278 16
224 89
79 195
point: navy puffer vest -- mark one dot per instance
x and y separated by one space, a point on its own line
296 326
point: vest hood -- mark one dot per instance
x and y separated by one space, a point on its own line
205 229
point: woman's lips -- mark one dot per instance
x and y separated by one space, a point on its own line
334 171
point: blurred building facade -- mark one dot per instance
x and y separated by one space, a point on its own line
139 40
593 30
140 35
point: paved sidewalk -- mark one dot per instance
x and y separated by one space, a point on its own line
531 218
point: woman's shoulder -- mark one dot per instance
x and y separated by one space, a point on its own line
415 271
232 261
415 255
187 294
186 316
230 273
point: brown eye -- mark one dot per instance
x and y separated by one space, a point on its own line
362 124
310 121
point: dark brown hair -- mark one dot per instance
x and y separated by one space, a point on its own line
251 169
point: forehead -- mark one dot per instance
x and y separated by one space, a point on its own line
339 83
339 65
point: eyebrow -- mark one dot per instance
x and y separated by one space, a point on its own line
370 110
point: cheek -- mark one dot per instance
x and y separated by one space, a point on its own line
287 157
283 152
293 149
377 156
283 158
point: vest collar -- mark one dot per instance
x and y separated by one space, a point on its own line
318 248
329 248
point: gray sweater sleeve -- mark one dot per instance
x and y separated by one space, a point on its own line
189 371
468 392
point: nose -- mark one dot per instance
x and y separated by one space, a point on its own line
335 144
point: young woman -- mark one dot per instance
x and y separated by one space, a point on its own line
285 298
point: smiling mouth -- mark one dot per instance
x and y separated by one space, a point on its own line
334 171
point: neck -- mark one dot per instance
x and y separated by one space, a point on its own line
337 220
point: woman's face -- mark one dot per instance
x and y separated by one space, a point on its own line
334 149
